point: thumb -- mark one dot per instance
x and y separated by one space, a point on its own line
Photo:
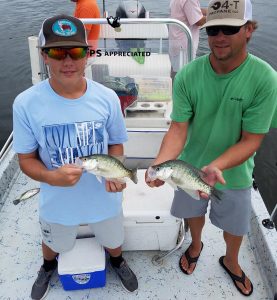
220 177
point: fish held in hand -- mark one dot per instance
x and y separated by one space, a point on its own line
107 166
180 174
26 195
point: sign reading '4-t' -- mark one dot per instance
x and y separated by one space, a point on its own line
226 5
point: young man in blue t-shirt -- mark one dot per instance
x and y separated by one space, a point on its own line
56 121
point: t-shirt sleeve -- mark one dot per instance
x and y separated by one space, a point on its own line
115 125
193 11
24 140
182 107
274 119
261 114
89 11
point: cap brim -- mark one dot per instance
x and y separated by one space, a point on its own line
224 22
64 44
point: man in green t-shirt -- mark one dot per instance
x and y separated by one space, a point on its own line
223 105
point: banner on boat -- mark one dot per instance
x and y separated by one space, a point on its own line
132 52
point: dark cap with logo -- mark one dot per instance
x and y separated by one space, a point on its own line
62 31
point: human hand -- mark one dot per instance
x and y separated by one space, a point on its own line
115 186
66 175
213 175
152 182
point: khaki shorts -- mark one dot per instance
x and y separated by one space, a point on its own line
231 214
60 238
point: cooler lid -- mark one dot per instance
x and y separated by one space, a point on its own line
86 256
140 199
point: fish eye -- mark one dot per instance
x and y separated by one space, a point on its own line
158 169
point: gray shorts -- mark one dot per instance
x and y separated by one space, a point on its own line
231 214
60 238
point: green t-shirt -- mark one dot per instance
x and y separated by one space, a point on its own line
219 107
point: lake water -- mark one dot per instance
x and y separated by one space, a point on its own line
22 18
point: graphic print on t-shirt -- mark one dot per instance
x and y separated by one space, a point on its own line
65 142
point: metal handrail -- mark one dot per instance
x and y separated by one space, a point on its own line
158 259
150 21
6 146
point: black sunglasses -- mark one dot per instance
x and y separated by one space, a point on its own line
226 30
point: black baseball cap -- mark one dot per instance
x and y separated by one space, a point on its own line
62 31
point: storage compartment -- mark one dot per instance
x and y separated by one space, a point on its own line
150 141
148 223
83 267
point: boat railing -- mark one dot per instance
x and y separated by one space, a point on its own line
40 72
149 21
5 149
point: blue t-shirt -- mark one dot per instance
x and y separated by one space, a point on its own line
61 130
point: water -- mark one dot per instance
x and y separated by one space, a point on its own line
22 18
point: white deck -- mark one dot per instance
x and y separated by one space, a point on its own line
21 258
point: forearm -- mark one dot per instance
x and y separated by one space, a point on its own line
36 170
201 22
32 166
238 153
116 150
204 11
173 142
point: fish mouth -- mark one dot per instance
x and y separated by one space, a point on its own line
79 161
83 158
151 173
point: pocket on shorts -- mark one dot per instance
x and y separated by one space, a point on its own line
46 232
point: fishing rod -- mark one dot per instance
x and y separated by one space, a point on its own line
104 6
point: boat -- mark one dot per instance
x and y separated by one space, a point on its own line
149 249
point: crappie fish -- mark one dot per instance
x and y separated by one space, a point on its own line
180 174
109 167
26 195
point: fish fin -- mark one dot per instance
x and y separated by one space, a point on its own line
169 173
99 178
120 180
172 184
134 176
194 194
121 158
217 194
78 162
151 174
16 201
201 173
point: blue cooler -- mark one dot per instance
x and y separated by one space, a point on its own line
83 267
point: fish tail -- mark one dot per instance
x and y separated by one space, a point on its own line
217 194
16 201
134 176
